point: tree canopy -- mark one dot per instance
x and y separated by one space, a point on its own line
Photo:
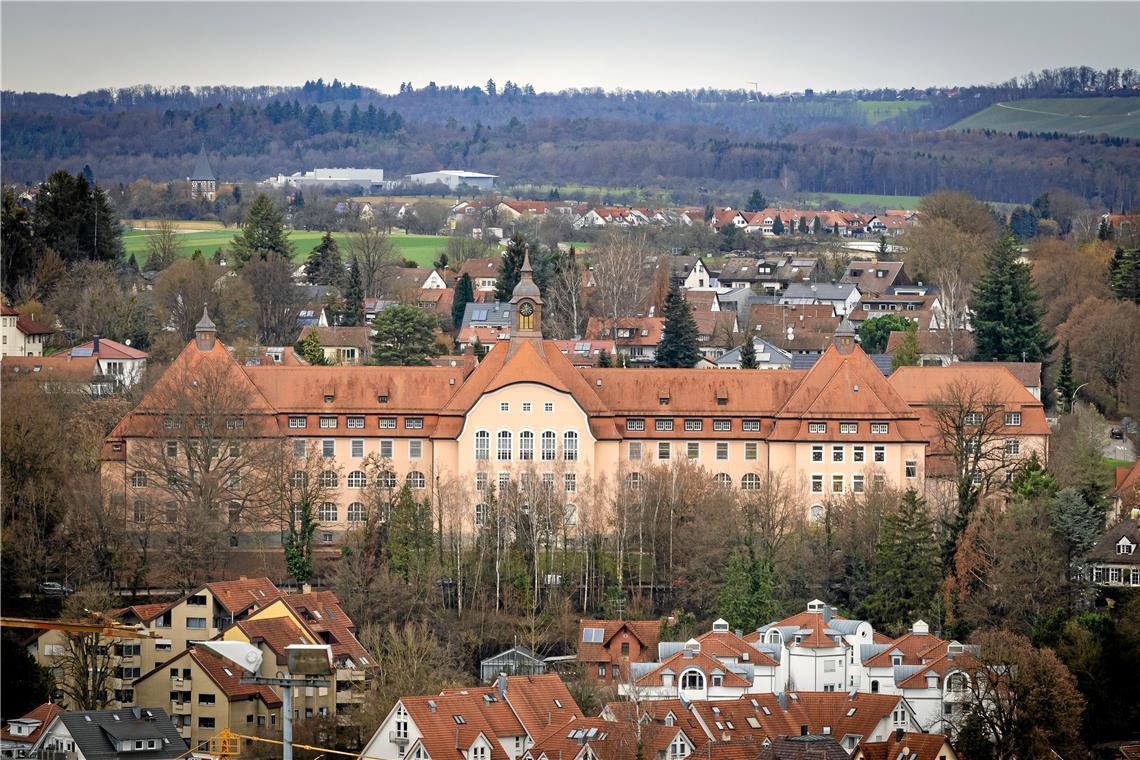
262 233
405 336
680 341
1007 309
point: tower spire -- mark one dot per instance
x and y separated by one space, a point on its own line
205 332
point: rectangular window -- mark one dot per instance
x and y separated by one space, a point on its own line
328 448
504 445
354 423
635 450
817 484
357 449
1013 447
204 722
387 423
857 483
722 451
548 406
415 449
974 418
635 425
526 406
693 450
857 454
328 423
817 453
880 453
878 428
298 422
504 481
911 468
837 484
413 423
195 622
663 451
817 427
751 451
548 481
172 448
571 481
1013 419
848 428
504 406
386 449
722 426
836 453
663 426
693 426
750 426
480 481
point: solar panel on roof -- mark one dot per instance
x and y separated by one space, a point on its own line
82 351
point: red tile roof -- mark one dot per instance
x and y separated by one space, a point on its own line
46 369
44 714
113 349
910 746
31 327
446 736
322 613
727 644
916 649
686 659
648 632
276 633
607 740
227 678
238 596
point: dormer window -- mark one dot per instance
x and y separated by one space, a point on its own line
1124 546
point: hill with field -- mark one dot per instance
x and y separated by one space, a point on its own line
1118 117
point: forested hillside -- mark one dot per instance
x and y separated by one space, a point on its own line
882 141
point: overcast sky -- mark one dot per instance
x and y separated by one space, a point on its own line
71 47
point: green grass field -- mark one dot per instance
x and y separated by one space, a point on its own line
881 110
422 249
1119 117
862 201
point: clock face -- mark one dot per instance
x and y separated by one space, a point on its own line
526 309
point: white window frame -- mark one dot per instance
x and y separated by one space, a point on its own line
837 454
663 425
297 423
817 427
328 423
1013 419
635 425
879 428
722 451
848 428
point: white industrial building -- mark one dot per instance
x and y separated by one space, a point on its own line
453 178
317 177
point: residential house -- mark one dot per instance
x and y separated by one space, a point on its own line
57 374
374 307
438 301
875 278
702 300
635 337
483 273
815 646
795 328
205 695
716 331
724 217
1027 373
1114 560
489 322
768 356
405 283
688 272
585 353
342 345
907 745
607 648
117 364
934 346
498 722
601 739
19 735
20 335
744 272
842 296
1126 491
138 733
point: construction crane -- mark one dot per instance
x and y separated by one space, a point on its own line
227 745
98 623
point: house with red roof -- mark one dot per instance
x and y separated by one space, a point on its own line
600 739
907 745
21 335
19 734
607 648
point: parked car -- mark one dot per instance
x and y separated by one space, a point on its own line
1117 434
51 588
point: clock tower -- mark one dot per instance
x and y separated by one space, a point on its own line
528 304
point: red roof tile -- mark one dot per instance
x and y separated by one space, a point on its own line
44 714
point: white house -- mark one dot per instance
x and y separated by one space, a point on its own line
21 336
842 296
118 362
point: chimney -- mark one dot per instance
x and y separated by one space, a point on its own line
502 684
899 734
306 588
95 345
827 613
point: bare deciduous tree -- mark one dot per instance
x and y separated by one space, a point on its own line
619 285
376 257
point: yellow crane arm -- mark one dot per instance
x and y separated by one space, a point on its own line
106 628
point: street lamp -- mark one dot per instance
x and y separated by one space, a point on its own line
1073 398
306 660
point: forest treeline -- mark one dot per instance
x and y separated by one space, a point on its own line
697 144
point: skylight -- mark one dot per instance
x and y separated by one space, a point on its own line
593 635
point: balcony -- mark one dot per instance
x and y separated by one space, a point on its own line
180 684
180 708
397 738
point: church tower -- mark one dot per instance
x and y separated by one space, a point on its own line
527 300
203 183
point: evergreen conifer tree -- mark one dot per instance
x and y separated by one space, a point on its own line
680 341
311 349
756 201
1007 309
510 268
1104 232
1066 386
906 571
409 535
478 349
263 233
464 294
748 355
1125 274
907 355
778 226
324 265
354 296
605 361
405 336
1032 480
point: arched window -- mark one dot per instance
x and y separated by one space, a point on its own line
482 444
138 480
328 479
549 442
416 479
526 445
874 687
504 447
956 682
386 479
817 513
355 512
357 479
327 512
723 479
570 446
750 482
693 679
633 481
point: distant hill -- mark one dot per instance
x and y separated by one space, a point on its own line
1118 117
